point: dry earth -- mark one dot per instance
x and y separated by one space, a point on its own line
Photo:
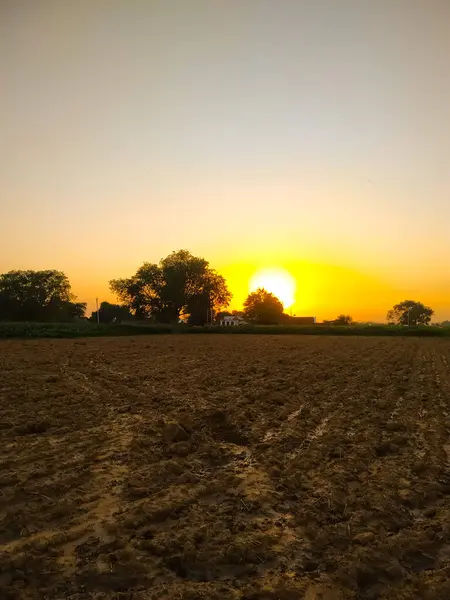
225 467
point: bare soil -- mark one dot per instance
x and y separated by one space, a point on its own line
225 467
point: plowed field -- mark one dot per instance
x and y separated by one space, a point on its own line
225 467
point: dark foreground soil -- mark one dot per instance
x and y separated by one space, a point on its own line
225 467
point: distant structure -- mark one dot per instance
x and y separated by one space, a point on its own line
232 321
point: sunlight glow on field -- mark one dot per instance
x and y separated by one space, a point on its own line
277 281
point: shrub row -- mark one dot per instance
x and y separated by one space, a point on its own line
87 329
74 330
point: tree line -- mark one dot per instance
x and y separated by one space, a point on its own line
38 296
180 287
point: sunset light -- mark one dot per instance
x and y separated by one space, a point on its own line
277 281
225 299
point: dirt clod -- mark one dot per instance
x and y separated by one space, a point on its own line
367 537
394 426
5 579
173 432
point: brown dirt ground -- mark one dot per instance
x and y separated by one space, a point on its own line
225 467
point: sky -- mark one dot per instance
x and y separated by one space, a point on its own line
308 135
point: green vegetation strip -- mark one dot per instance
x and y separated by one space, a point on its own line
87 329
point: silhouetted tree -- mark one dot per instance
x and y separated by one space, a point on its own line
408 311
263 308
198 310
181 284
38 296
343 320
110 313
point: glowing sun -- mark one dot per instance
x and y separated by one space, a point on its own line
277 281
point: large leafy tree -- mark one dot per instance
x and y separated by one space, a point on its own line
179 285
409 312
263 308
38 296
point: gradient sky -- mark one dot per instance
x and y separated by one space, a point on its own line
312 135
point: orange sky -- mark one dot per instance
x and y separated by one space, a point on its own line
309 136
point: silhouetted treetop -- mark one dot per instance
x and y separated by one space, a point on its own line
38 296
180 284
263 308
410 312
343 320
111 313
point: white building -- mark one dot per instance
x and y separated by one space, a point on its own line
232 321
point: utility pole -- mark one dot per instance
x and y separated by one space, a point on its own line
409 316
98 314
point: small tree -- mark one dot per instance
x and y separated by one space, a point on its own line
109 313
343 320
263 308
409 312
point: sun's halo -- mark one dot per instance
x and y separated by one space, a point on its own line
277 281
